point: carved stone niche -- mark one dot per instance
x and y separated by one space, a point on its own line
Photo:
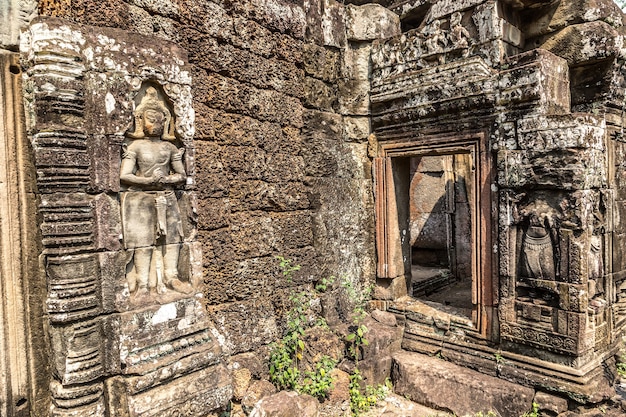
555 299
112 133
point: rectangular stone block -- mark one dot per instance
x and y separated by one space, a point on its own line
194 395
265 105
78 351
430 380
158 336
569 169
561 132
537 78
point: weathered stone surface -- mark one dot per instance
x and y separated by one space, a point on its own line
577 44
551 403
286 404
241 381
371 21
321 63
386 318
430 381
251 361
571 13
16 15
280 15
256 392
193 395
245 326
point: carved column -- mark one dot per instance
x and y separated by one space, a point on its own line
94 98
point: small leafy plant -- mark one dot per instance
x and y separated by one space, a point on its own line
361 402
287 353
324 284
319 383
534 412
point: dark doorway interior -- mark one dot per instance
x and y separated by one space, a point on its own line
441 218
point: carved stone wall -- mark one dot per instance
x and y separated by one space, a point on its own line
467 67
281 165
115 351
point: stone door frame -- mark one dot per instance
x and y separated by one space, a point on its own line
22 350
393 250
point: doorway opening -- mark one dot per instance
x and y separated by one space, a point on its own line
434 222
441 220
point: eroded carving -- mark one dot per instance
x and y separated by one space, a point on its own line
438 40
152 168
458 36
539 253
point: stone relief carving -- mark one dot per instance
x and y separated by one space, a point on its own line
409 51
539 252
151 169
458 36
436 40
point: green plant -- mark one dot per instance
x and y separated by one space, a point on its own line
283 373
621 369
288 269
286 354
357 339
324 284
319 383
534 412
362 400
499 358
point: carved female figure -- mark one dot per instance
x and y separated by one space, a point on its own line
436 41
458 34
537 253
151 168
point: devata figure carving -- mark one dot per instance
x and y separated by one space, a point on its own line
537 255
151 168
458 34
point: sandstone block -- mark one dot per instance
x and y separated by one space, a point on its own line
286 404
246 325
256 392
551 403
430 381
384 317
280 15
371 21
242 378
259 195
321 63
593 41
249 360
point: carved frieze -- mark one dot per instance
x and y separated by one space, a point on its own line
438 41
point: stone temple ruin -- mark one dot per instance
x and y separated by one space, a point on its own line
462 158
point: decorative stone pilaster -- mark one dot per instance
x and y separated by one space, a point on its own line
129 332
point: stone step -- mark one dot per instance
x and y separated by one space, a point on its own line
451 388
